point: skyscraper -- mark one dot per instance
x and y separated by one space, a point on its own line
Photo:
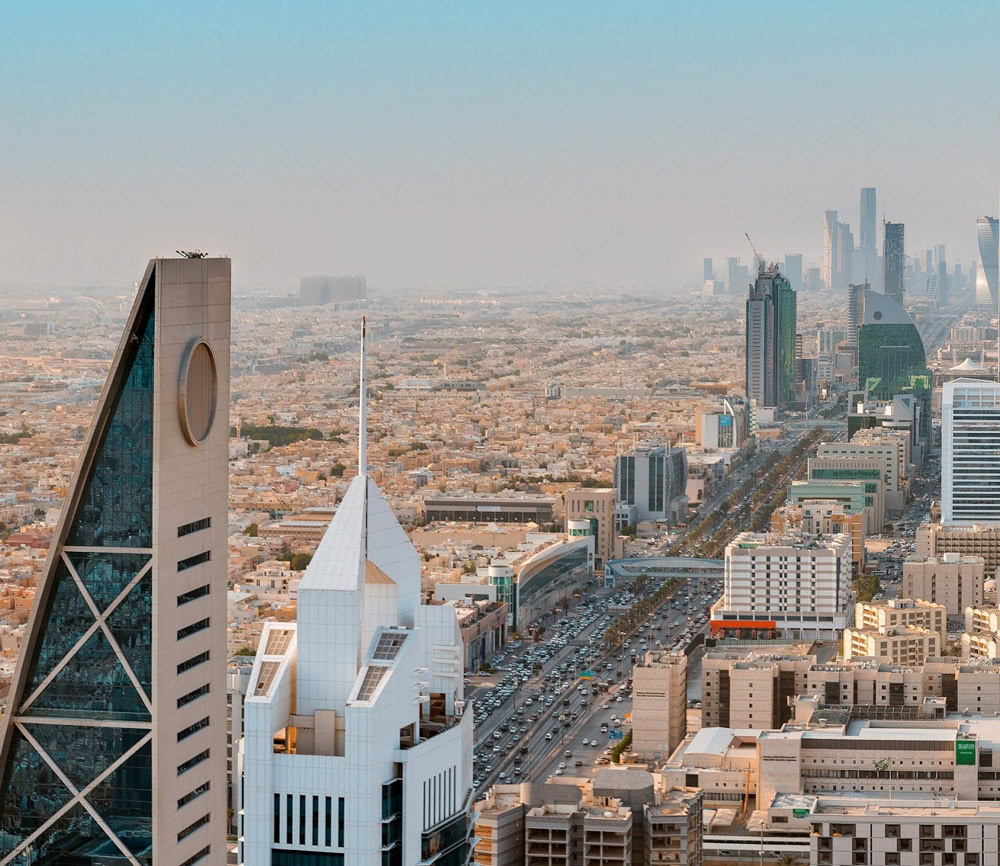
895 262
866 250
793 270
830 256
770 339
868 239
986 276
970 452
845 256
707 272
373 757
891 359
855 310
733 275
114 744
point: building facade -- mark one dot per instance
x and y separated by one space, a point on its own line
799 585
770 339
651 484
114 745
357 744
950 579
659 703
597 507
970 452
986 276
894 262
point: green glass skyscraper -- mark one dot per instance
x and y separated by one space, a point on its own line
770 339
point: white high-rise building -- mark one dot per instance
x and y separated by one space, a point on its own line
114 742
799 585
357 741
970 452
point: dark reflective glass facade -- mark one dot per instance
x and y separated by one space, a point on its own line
888 357
114 510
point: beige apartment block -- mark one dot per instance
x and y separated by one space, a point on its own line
595 505
951 579
933 539
659 704
823 517
880 616
910 645
859 682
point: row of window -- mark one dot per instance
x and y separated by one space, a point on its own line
315 824
197 825
192 762
193 662
192 561
190 730
198 856
194 526
193 795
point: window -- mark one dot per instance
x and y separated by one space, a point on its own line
289 800
193 795
280 857
315 824
184 700
200 855
195 526
192 561
192 662
187 831
194 628
340 822
277 817
192 762
192 729
198 592
302 819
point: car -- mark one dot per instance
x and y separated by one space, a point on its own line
569 754
548 736
618 699
559 772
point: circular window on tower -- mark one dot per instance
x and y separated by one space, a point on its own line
197 391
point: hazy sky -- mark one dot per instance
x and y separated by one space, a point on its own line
473 143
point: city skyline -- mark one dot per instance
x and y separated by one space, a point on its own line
496 150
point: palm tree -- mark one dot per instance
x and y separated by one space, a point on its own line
788 860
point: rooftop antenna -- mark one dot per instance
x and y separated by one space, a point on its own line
191 254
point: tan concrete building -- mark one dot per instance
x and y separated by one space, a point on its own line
868 470
579 822
889 453
659 704
980 638
823 517
933 539
910 645
781 679
895 613
951 579
596 505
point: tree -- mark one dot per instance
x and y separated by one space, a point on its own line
300 561
251 530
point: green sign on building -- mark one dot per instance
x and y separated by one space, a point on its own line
965 753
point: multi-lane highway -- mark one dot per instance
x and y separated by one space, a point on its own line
532 726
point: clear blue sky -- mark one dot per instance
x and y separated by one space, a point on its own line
484 143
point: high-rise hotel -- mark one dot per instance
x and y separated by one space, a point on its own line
357 741
114 745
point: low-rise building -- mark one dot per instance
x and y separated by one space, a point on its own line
659 703
909 644
901 612
933 539
950 579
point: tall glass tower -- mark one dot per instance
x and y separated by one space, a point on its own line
986 276
113 749
770 339
894 262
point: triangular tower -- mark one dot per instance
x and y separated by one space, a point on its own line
98 716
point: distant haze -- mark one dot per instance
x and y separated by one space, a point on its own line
477 144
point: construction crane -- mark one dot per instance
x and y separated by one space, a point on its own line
757 255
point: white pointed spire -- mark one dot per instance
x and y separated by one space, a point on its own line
363 412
